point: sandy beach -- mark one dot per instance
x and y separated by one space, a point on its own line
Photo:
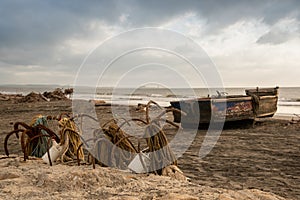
260 162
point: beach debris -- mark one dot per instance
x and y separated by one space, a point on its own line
141 107
161 154
54 152
98 102
158 155
56 95
33 97
112 133
106 141
69 92
111 143
35 137
120 140
140 163
68 149
295 119
110 140
174 172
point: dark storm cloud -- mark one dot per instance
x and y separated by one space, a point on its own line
31 30
31 23
218 13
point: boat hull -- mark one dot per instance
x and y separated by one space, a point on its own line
230 109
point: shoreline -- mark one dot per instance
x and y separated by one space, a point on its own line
285 116
284 106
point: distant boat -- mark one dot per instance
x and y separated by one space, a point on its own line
257 103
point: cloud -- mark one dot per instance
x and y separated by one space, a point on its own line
57 35
281 32
274 37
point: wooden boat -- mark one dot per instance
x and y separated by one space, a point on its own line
257 103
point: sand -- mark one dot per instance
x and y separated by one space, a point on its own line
260 162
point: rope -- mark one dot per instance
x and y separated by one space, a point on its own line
157 142
121 140
39 148
70 139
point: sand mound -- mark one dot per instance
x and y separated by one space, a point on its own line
32 97
35 180
56 95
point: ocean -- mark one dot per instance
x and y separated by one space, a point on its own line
288 103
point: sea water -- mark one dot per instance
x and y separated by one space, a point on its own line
288 102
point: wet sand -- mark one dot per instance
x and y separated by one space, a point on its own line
264 157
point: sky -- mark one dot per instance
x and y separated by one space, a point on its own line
249 43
